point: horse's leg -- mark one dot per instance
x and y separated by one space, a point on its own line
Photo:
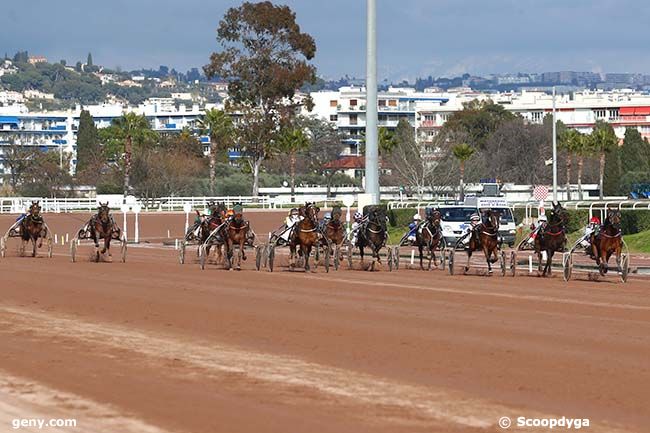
608 255
34 247
240 253
420 247
241 243
469 255
306 251
488 257
549 261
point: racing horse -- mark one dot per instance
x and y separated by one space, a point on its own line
33 228
373 234
236 229
485 237
429 236
208 223
334 230
102 226
608 241
552 238
305 234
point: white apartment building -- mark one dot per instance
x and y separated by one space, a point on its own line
57 131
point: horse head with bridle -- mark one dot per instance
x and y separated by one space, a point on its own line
33 228
429 235
335 228
486 237
374 233
102 226
608 241
305 234
237 229
552 237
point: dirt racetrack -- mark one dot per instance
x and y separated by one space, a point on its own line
154 346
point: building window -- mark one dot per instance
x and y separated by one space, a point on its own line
353 102
537 116
613 114
428 117
600 113
353 119
382 102
334 117
392 103
334 103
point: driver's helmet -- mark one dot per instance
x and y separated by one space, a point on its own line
293 212
417 217
358 216
594 220
542 219
327 216
475 217
230 213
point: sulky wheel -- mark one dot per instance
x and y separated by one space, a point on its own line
452 252
389 258
181 252
73 250
326 257
202 256
348 252
502 259
337 257
271 257
567 266
396 258
123 249
258 257
625 267
513 263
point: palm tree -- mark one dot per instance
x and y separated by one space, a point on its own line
602 140
292 141
462 152
571 141
218 124
132 128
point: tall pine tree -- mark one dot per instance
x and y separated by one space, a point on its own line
88 149
611 181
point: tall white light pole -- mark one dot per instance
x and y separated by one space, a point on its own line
554 151
372 148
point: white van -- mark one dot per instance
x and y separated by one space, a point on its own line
455 218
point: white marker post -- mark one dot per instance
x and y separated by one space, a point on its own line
124 208
136 208
187 208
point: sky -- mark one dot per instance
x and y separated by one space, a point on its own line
415 37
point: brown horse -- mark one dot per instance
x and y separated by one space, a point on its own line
304 234
206 225
552 238
485 237
237 229
33 228
102 226
608 241
429 236
334 230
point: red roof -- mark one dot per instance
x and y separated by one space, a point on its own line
347 162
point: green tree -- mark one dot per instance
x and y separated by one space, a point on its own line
292 141
386 141
571 141
612 176
635 152
602 141
89 153
218 125
326 146
265 57
135 132
89 60
478 120
462 152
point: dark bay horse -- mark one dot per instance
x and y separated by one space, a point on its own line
304 234
102 226
33 228
429 236
237 229
334 230
373 234
608 241
485 237
552 238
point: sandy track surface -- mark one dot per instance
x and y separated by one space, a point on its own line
152 345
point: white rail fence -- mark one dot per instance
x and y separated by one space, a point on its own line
58 205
